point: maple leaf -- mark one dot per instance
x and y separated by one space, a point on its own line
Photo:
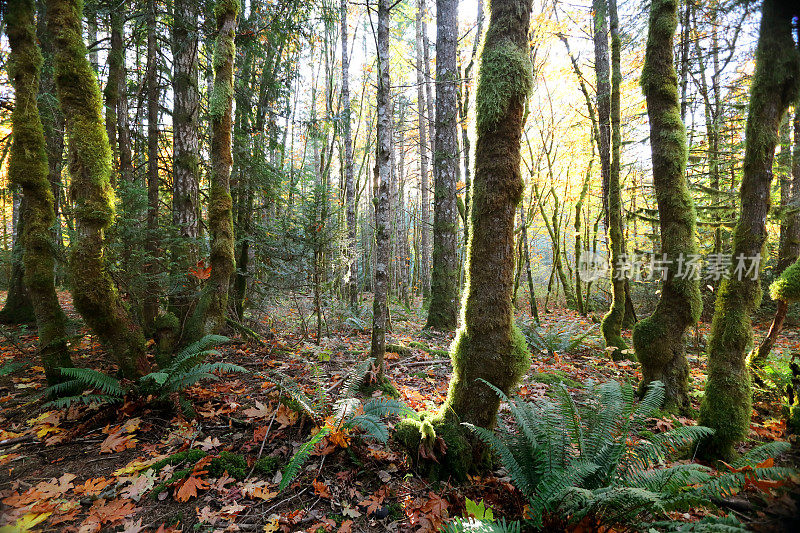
133 526
207 515
140 485
346 527
117 441
93 487
189 488
55 487
374 501
321 489
29 521
259 411
201 271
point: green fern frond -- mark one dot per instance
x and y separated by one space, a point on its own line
85 399
761 453
200 346
383 406
299 458
95 380
72 387
356 377
471 525
371 425
293 390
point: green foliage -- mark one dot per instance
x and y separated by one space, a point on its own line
346 413
561 338
185 369
465 525
574 461
12 366
787 286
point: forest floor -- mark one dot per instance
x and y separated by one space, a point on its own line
86 468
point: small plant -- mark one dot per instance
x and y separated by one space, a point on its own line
560 338
85 385
574 463
358 320
338 417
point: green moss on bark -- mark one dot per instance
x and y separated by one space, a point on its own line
210 313
776 80
29 169
659 339
787 286
488 346
94 293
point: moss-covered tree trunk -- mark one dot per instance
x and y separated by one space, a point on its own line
612 321
210 314
659 339
28 169
443 311
93 291
488 346
726 406
380 309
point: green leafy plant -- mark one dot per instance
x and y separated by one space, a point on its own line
574 462
344 414
85 385
560 338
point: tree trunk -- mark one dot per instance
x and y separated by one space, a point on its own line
18 308
351 290
659 339
443 310
424 217
788 251
726 406
211 312
185 152
612 321
94 294
488 346
28 169
380 309
150 307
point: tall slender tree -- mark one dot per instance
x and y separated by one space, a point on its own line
424 216
349 182
185 148
210 314
443 310
659 339
488 346
775 84
380 308
93 291
28 169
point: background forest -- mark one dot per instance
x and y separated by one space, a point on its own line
399 265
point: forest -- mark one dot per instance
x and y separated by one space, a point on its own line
400 265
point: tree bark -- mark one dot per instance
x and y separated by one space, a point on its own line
185 150
211 312
726 406
612 321
659 339
351 290
488 346
28 169
94 294
443 310
380 309
424 217
150 307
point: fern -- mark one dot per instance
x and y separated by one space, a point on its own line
471 525
574 460
371 425
95 380
300 458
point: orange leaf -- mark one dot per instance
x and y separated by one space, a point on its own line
321 489
189 488
201 271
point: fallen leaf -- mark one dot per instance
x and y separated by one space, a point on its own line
189 488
